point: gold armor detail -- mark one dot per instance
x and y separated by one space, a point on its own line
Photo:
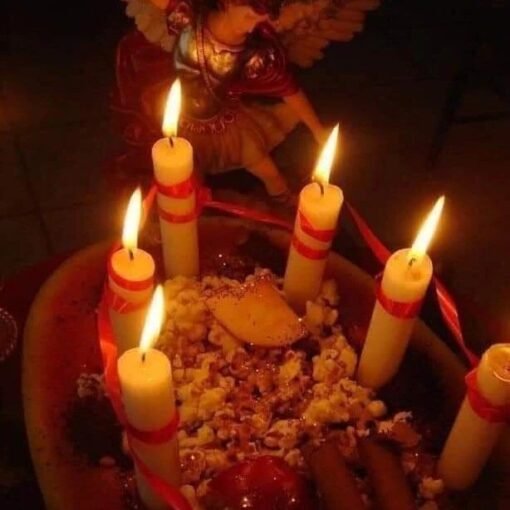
205 67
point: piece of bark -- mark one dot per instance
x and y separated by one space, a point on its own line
333 479
388 480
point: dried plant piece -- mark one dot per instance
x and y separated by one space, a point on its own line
386 475
256 313
335 482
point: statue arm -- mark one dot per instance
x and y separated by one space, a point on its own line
301 105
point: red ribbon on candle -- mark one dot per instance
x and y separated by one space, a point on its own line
180 190
155 436
397 309
308 252
128 284
483 407
178 218
119 304
324 236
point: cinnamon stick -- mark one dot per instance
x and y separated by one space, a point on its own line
333 478
388 480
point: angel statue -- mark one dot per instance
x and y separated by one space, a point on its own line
231 55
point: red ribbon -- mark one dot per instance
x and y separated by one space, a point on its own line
119 304
128 284
446 303
180 190
308 252
204 199
155 436
178 218
324 236
171 495
483 407
398 309
109 355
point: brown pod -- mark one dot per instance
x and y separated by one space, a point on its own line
333 478
388 480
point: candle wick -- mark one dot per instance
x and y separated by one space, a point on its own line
171 140
412 261
321 187
131 254
144 354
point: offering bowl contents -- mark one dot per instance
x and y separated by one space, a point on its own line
269 411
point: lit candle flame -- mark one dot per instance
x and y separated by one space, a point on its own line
153 321
325 162
132 222
172 110
422 241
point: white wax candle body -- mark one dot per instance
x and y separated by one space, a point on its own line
303 276
387 335
149 403
127 327
472 438
174 165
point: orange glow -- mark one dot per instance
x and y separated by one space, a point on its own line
172 110
153 321
422 241
132 221
323 167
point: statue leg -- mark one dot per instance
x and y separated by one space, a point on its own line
267 171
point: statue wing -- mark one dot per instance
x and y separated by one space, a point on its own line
150 17
307 27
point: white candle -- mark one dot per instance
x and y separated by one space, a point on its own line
472 437
130 279
173 168
405 280
316 220
145 377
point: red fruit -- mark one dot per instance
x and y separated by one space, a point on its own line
264 483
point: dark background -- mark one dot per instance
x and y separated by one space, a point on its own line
416 63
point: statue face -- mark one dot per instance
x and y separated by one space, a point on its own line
243 18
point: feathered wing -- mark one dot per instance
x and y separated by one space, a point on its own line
307 27
150 18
